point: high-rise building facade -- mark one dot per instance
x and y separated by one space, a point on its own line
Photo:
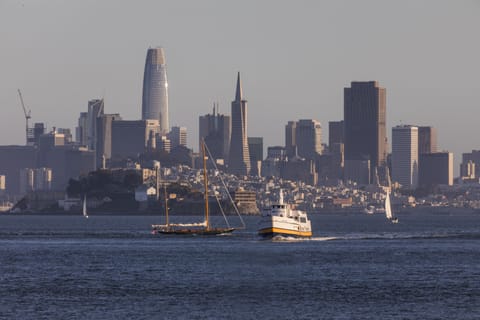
474 158
96 109
365 128
81 130
130 137
239 156
405 162
335 132
103 147
178 136
427 140
308 136
290 139
155 89
12 160
35 179
216 130
436 169
27 180
38 130
255 148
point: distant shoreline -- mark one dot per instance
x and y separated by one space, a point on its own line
416 210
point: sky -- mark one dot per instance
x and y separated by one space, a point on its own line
295 58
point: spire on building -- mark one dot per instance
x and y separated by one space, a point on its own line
238 92
239 157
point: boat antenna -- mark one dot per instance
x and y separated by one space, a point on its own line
225 186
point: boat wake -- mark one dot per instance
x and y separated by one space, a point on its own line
301 239
382 236
407 236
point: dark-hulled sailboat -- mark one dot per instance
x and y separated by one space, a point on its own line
201 228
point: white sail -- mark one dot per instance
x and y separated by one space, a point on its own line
388 207
85 214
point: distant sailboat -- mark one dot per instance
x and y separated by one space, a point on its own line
388 209
85 214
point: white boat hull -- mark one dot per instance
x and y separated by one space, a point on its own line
271 226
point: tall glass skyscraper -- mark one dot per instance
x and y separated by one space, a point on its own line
155 89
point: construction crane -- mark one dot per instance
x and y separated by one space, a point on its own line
27 117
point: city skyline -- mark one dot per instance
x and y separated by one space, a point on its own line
428 83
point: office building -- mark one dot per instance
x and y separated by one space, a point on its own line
95 110
364 129
68 162
290 140
38 130
215 129
12 160
2 185
155 89
239 156
255 147
130 137
427 140
474 158
164 144
308 136
42 179
67 135
467 171
26 180
178 137
35 179
405 162
335 132
103 145
81 129
436 169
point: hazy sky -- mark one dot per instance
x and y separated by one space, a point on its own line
295 58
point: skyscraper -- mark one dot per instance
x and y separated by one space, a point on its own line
427 140
290 141
155 89
239 157
178 136
130 137
255 148
308 135
103 147
365 129
436 169
96 109
216 130
405 162
335 132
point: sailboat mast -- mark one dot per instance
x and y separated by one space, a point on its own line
166 206
205 182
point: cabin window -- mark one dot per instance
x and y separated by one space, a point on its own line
303 220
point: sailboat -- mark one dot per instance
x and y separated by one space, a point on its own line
388 209
85 214
201 228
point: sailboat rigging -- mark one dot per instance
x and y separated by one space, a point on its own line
201 228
